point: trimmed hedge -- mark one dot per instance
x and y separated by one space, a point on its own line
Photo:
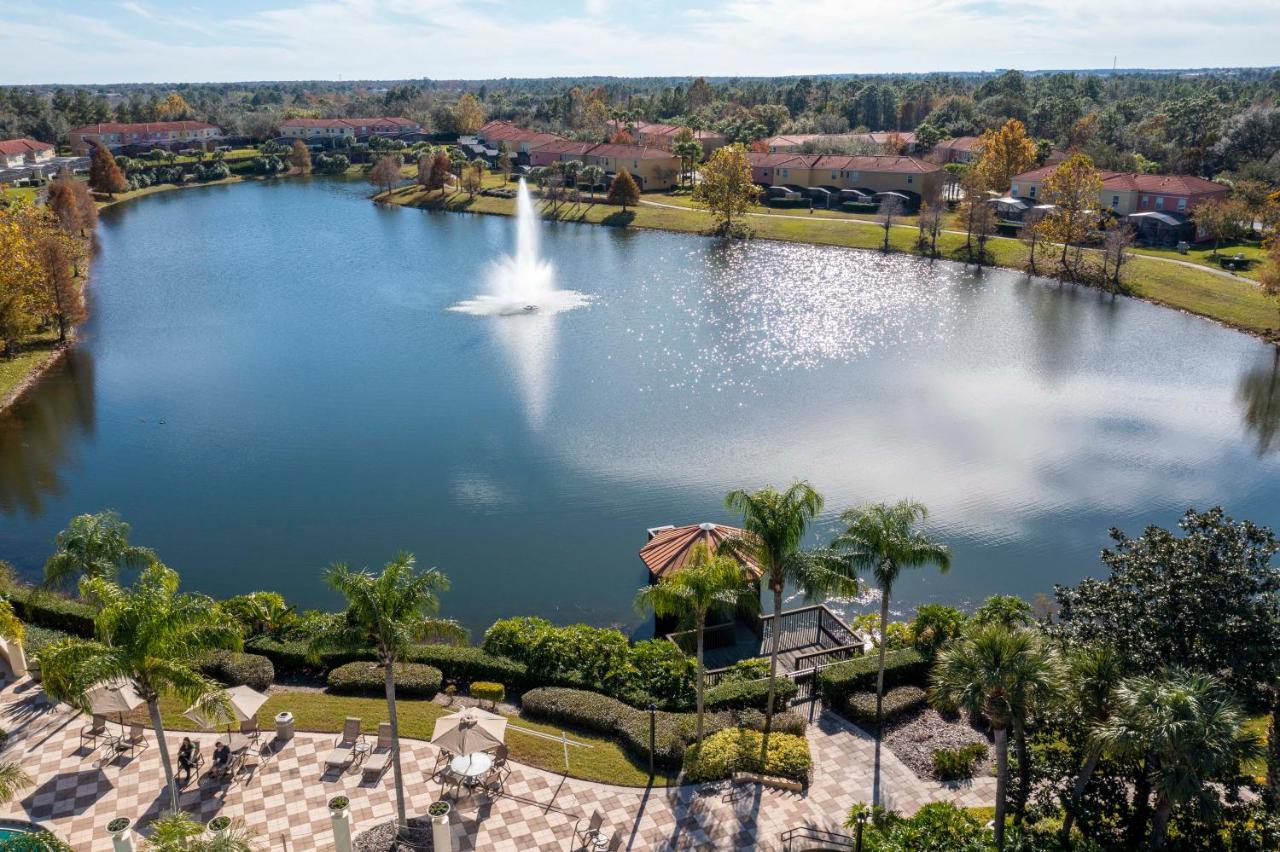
484 690
788 203
49 609
604 715
901 668
859 207
463 664
365 678
234 669
903 699
738 750
291 656
786 722
744 694
38 638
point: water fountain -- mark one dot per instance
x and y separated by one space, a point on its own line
523 300
522 283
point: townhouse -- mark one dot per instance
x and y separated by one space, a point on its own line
795 143
868 172
321 129
173 135
519 141
652 168
1127 193
17 153
559 151
663 136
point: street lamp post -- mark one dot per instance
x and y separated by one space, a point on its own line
653 735
863 816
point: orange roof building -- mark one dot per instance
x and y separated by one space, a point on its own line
670 548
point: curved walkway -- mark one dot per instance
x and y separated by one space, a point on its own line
283 798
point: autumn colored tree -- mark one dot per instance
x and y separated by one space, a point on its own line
439 172
726 189
300 157
1006 152
1073 189
104 174
64 298
1223 219
623 190
21 273
473 178
622 137
1269 276
424 169
173 107
468 114
71 201
386 172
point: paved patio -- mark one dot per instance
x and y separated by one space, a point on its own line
283 800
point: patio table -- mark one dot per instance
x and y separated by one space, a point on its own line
471 767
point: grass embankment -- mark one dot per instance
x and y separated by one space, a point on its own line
34 356
1231 300
605 761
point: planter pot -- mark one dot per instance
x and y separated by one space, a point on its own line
441 836
121 831
340 820
219 826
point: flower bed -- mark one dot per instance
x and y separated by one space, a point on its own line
738 750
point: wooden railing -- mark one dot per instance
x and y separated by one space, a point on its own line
714 636
808 625
817 660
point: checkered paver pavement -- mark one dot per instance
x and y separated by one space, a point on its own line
283 799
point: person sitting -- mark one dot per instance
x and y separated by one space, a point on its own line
186 760
221 759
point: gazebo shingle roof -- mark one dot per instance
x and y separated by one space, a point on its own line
669 549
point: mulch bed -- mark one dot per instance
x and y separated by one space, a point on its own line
915 737
382 838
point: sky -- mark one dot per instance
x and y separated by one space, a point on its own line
111 41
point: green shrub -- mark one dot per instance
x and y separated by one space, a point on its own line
755 668
859 207
466 664
786 722
934 626
598 713
741 694
660 674
897 701
838 682
38 638
738 750
955 764
487 691
368 678
234 669
52 610
291 656
788 202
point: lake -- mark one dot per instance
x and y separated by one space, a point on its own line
271 381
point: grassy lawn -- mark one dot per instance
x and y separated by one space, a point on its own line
1232 300
605 761
34 354
162 187
1204 256
1258 726
26 193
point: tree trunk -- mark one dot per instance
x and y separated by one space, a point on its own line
153 706
1077 793
1141 807
397 775
1024 771
773 672
1160 821
702 624
884 623
1002 781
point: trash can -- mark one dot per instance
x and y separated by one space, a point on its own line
1182 247
284 725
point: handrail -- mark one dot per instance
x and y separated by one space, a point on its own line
846 651
823 836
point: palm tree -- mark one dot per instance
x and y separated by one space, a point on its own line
997 673
572 170
178 831
594 176
706 582
93 546
389 611
689 152
13 780
1094 672
775 523
1187 729
151 637
882 538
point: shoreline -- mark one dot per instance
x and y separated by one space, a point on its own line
1232 302
33 376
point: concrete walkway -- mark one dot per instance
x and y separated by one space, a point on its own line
283 798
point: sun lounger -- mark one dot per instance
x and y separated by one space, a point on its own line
344 748
380 758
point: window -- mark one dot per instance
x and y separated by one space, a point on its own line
1146 200
853 175
1032 192
1159 202
784 174
910 178
833 174
1115 202
1182 204
1013 190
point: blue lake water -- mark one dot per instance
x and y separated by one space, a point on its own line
271 380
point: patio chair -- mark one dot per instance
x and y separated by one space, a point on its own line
380 758
615 842
250 728
137 736
344 747
443 756
592 831
92 731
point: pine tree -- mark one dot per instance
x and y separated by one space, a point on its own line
104 174
623 190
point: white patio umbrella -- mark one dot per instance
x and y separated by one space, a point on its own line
469 730
244 703
115 696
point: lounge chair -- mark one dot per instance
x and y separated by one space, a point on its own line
344 747
592 831
94 730
380 758
250 728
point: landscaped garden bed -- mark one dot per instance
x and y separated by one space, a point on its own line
914 738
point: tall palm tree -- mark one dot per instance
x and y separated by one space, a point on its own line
883 539
1094 672
594 176
707 582
150 636
997 673
389 611
1187 729
775 523
93 546
689 151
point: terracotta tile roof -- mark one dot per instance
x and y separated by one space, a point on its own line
669 550
23 146
347 122
797 139
630 152
563 146
767 161
894 164
1131 182
144 127
960 143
